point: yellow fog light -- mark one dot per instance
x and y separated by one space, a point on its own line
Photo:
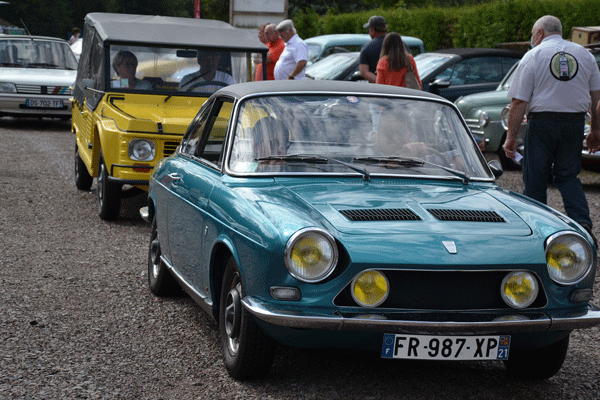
519 289
370 288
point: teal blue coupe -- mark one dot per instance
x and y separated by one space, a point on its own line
348 215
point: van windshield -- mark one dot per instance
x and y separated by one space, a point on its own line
176 70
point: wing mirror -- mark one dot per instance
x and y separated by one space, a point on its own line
496 168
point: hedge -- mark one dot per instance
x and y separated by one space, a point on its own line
483 25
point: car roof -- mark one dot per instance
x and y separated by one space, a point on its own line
321 87
478 52
30 37
161 30
354 38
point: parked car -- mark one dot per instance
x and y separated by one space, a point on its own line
336 67
36 73
334 214
320 47
452 73
486 115
122 129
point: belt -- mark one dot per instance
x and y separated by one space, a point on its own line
571 116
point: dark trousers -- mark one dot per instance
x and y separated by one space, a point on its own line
553 145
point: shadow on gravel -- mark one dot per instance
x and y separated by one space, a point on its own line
35 124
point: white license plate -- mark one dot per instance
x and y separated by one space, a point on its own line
425 347
43 103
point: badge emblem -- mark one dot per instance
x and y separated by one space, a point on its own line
563 66
450 246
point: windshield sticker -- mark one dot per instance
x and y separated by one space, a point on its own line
563 66
352 99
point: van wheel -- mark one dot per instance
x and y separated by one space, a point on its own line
83 179
109 194
247 352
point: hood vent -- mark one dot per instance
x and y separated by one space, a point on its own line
389 214
466 215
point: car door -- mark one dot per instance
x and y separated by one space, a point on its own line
194 177
472 75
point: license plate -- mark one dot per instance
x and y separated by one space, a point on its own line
425 347
43 103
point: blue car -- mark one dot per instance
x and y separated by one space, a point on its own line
347 215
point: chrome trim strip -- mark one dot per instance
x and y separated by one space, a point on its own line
314 319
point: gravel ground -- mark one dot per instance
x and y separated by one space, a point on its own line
77 320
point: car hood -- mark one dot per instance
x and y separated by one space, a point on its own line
485 99
38 76
411 204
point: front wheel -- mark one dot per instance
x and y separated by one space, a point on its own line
83 179
109 194
247 352
160 280
539 363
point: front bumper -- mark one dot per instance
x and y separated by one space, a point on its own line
424 322
16 106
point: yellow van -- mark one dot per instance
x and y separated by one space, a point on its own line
140 82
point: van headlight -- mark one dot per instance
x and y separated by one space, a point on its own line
141 150
311 255
568 257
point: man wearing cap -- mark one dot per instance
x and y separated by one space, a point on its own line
369 55
292 62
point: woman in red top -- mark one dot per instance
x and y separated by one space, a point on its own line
394 62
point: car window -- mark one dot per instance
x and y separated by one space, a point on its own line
427 63
331 67
34 53
213 131
474 71
314 50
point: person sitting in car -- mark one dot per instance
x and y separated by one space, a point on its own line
125 65
208 79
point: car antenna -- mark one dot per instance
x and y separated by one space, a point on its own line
29 33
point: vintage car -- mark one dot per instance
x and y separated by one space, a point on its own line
487 117
36 75
350 215
321 46
452 73
140 82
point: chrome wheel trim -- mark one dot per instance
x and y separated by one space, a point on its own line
233 316
155 257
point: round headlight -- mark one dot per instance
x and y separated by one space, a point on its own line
370 288
484 119
519 289
569 257
141 150
311 255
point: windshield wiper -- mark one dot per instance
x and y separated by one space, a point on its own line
7 64
312 159
413 162
41 65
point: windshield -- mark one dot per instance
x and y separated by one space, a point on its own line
34 53
331 67
176 71
427 63
314 50
350 134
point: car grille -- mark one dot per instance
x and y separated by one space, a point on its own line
441 290
36 89
390 214
474 126
465 215
169 148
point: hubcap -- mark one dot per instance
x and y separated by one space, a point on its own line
155 257
100 184
233 316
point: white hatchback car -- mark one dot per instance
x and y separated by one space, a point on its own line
36 76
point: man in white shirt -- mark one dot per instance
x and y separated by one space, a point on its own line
207 79
292 62
555 83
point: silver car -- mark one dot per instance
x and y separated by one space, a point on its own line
36 76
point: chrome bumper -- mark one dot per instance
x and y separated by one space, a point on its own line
424 322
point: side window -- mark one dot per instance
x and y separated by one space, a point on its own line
212 144
507 63
191 139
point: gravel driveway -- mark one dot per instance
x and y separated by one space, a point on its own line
77 320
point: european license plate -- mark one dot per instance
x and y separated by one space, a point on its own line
43 103
425 347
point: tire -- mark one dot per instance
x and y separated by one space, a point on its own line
534 364
160 280
247 352
109 194
83 179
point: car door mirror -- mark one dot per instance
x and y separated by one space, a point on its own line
356 76
496 168
441 83
88 84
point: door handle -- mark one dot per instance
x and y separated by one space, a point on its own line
174 176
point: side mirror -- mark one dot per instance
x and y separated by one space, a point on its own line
496 168
356 76
88 84
440 84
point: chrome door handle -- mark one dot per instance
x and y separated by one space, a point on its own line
174 176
